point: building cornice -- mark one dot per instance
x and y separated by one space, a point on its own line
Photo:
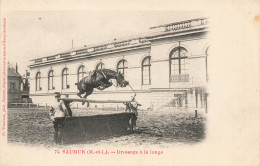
89 55
177 34
159 32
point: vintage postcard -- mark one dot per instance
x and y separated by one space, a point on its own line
86 84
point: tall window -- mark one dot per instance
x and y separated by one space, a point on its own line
81 72
146 71
38 81
65 74
100 66
178 61
122 67
12 88
12 85
50 80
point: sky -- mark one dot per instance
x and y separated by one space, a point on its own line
34 34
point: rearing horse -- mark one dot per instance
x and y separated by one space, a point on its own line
99 79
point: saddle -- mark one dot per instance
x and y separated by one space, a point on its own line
96 73
99 74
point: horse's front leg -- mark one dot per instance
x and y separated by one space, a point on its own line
109 84
101 87
104 85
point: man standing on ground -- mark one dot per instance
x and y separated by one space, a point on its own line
58 114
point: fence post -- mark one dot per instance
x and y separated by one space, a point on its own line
196 113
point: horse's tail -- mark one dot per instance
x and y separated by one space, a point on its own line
77 84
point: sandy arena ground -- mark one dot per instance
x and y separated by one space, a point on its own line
169 125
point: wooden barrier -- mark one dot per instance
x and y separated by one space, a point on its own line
78 129
81 129
93 101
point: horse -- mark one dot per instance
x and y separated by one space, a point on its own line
99 79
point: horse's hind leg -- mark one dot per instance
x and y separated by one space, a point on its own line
81 88
88 92
79 94
86 95
85 101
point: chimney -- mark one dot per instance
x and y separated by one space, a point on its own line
16 68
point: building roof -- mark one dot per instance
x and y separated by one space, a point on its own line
12 73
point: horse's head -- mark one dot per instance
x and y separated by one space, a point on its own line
121 80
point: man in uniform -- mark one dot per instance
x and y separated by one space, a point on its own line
132 106
58 114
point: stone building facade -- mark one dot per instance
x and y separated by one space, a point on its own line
18 88
167 67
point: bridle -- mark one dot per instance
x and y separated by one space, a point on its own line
117 81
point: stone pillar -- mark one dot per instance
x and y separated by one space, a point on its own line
186 100
196 98
176 102
199 100
202 100
184 96
191 98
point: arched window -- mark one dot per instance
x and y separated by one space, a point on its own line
122 67
81 72
50 80
65 75
179 65
38 81
208 51
178 61
146 71
100 66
